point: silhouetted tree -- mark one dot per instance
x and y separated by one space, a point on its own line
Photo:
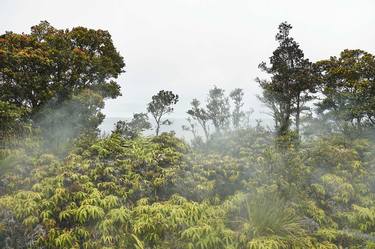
218 108
162 104
200 115
237 115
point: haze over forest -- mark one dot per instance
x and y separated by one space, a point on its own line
187 125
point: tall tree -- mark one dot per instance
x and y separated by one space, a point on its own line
291 81
218 108
237 114
348 87
162 104
50 66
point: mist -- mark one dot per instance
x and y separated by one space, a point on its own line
187 124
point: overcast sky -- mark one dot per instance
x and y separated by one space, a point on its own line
188 46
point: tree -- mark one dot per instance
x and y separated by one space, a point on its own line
192 128
291 81
237 115
49 66
218 108
201 116
162 104
218 111
132 129
348 87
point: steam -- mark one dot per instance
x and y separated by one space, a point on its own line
61 124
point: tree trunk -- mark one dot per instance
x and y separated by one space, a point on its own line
157 129
206 132
157 125
298 112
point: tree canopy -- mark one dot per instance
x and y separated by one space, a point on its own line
50 69
162 104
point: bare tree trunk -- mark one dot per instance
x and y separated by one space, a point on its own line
206 132
157 120
298 112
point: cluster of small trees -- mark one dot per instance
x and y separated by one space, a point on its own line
161 104
217 113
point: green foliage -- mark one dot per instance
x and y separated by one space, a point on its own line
86 200
157 192
348 86
56 80
50 63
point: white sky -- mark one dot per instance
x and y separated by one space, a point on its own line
187 46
